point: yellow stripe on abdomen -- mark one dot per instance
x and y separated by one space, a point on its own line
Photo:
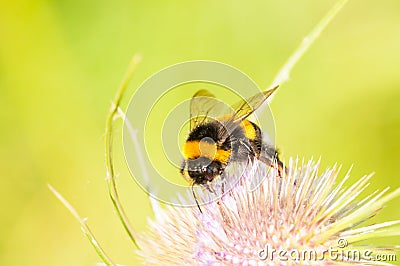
194 149
246 125
249 129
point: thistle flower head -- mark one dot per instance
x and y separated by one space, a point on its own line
298 213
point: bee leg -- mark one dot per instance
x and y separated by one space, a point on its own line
183 165
273 162
219 201
248 147
281 168
209 188
182 171
251 154
195 197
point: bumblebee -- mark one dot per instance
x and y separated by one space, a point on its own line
215 141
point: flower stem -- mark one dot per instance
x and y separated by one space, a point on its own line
111 177
284 73
85 228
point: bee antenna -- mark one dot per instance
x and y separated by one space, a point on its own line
195 198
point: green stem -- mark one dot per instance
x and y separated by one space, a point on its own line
109 154
85 228
284 74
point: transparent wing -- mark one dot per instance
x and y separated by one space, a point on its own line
243 109
204 107
201 106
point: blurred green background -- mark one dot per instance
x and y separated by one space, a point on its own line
61 62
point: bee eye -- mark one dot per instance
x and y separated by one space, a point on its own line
209 169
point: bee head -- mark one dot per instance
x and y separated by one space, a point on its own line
203 170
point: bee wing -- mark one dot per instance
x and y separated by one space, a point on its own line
245 108
202 106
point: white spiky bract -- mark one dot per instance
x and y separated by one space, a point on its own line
303 211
